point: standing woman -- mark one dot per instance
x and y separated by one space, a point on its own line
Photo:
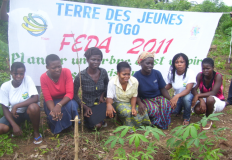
122 93
182 80
153 95
94 82
211 98
57 88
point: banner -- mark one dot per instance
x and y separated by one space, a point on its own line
40 27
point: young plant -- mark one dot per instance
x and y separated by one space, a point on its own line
136 139
188 137
6 147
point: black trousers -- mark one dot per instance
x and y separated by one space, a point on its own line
98 115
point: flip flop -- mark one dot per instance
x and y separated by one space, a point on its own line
36 139
207 127
104 124
186 120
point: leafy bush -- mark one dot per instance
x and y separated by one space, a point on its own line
136 139
187 137
6 147
226 27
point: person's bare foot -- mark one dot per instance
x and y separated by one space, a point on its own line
98 126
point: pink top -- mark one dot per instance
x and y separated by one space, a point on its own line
205 89
62 88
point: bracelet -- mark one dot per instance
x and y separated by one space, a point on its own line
59 104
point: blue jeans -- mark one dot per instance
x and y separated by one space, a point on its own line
69 111
186 102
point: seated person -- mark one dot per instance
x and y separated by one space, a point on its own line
94 81
152 94
22 96
229 99
182 80
57 88
121 98
211 98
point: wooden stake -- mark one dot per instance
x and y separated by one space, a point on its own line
76 137
82 115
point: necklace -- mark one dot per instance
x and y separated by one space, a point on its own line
51 78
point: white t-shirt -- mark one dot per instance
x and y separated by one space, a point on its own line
11 96
180 84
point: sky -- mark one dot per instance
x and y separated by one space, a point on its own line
227 2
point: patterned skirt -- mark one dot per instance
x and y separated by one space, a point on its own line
123 110
159 111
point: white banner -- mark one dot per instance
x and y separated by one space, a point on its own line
40 27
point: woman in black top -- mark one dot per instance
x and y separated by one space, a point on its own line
94 82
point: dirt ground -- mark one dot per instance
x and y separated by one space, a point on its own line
92 146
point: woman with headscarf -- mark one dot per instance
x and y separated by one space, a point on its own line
152 95
94 81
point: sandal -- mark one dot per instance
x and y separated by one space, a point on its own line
186 122
208 125
36 139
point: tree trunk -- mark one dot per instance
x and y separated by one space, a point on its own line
88 1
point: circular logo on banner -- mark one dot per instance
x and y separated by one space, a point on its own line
34 24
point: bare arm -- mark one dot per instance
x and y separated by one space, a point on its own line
110 109
32 99
165 93
133 104
175 99
186 91
8 116
3 12
168 86
195 93
16 129
215 89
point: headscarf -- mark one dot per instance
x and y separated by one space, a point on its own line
145 55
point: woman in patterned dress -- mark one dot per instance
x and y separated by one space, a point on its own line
152 95
121 98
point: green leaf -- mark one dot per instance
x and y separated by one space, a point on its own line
108 141
121 128
156 135
177 143
123 133
121 141
137 141
171 141
196 142
131 139
201 147
159 131
146 133
190 142
215 115
186 134
214 119
144 139
193 132
113 143
204 122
